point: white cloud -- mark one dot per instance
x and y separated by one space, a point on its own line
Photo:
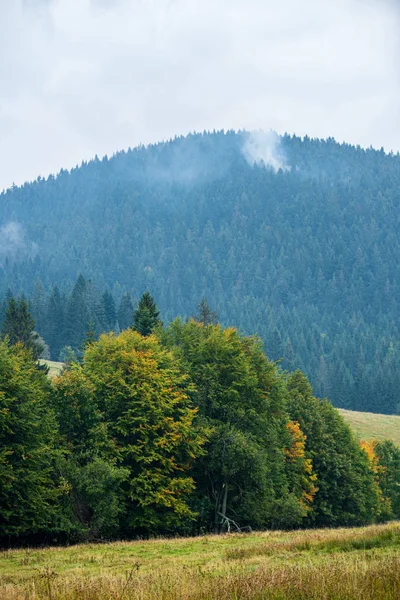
13 241
80 77
264 148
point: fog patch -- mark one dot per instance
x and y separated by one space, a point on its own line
265 148
14 242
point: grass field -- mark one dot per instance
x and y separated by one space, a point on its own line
55 368
345 564
369 426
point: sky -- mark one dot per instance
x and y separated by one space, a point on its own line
86 77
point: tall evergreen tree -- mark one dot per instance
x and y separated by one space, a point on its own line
146 315
19 325
205 315
55 322
39 308
125 312
77 315
109 309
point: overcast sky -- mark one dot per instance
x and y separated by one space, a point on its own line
86 77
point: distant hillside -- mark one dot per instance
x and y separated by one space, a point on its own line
297 240
369 426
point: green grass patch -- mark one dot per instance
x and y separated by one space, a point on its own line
349 564
370 426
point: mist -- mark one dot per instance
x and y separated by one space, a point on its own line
14 243
264 148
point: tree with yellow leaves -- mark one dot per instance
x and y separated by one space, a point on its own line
141 397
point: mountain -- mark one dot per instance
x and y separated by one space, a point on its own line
296 240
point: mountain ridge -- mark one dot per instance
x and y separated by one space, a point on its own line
306 256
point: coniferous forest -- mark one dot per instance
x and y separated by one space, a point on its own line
306 255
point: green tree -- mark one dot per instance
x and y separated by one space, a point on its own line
90 336
241 398
95 501
29 486
146 316
144 400
55 322
125 312
109 309
39 308
388 455
77 315
19 325
205 315
345 479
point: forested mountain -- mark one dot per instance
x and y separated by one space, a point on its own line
306 255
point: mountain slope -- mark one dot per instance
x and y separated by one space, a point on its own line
307 256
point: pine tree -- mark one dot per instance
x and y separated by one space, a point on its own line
205 315
12 327
55 323
110 312
77 315
125 312
146 315
90 336
19 325
39 307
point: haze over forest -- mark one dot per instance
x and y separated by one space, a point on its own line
295 240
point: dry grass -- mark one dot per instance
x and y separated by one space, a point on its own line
345 564
55 368
368 426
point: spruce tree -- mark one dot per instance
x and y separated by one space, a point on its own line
39 307
90 336
77 315
110 311
55 323
19 325
125 312
146 315
205 315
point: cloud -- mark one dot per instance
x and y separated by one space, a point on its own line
264 148
93 76
13 241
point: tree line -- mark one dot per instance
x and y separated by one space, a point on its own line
176 429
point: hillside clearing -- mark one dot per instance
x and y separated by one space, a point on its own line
373 426
353 564
55 368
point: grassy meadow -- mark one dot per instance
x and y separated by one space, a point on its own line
368 426
55 368
345 564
